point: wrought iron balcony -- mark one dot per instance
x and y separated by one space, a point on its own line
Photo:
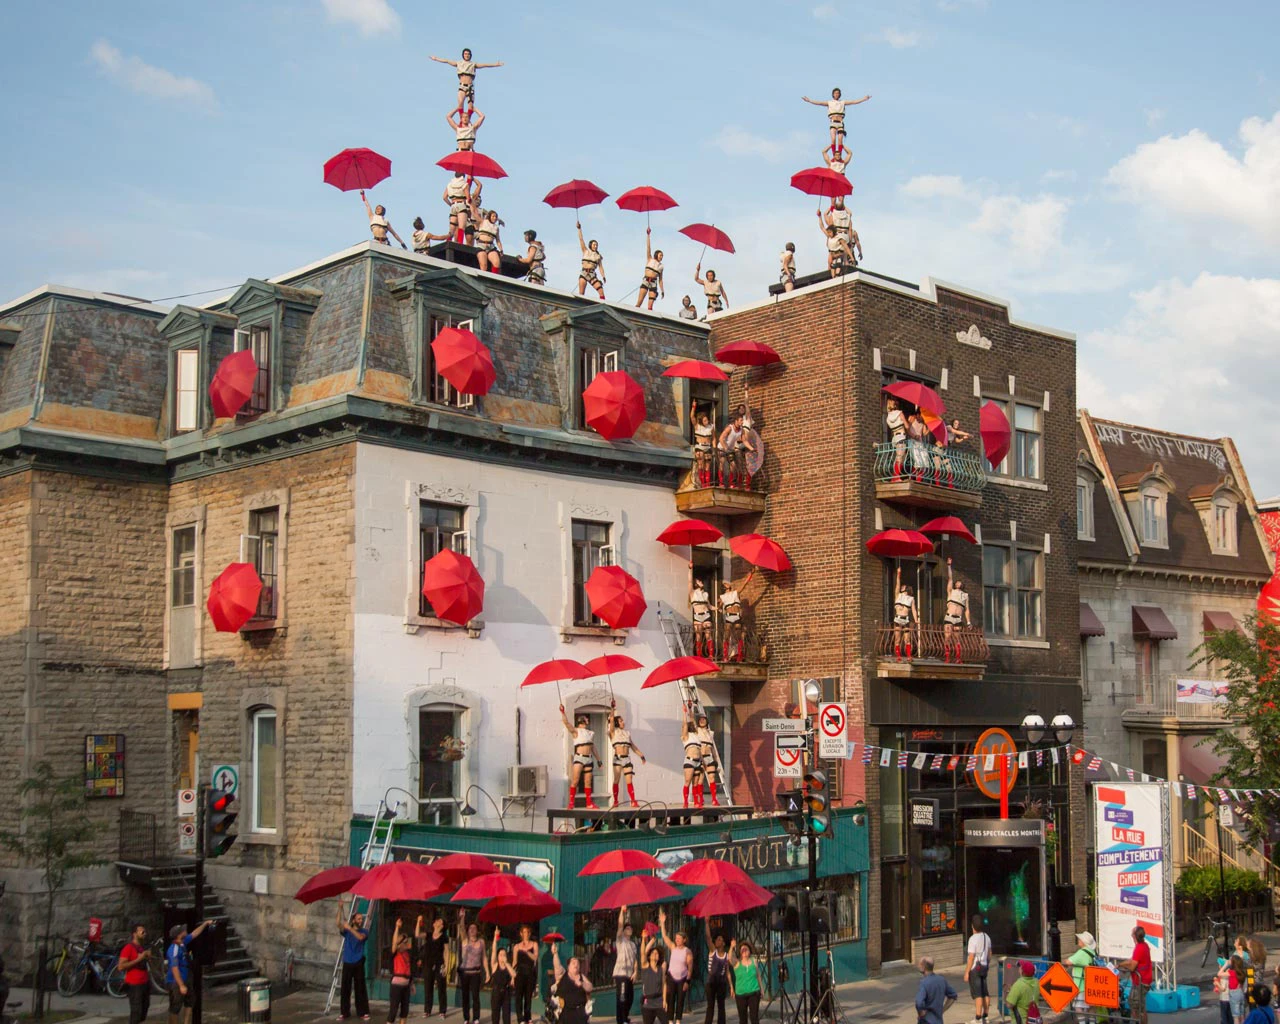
929 476
744 663
721 485
928 658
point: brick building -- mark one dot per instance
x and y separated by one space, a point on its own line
833 483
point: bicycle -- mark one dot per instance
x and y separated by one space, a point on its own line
83 958
1214 928
155 971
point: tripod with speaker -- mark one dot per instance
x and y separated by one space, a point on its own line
804 913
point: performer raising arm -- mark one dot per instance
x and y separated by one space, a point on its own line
592 272
957 613
585 758
466 69
713 289
651 283
905 619
835 115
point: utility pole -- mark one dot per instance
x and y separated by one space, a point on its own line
811 883
197 966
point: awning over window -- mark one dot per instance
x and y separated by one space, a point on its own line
1090 624
1220 622
1151 623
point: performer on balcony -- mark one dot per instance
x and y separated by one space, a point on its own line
651 282
957 614
710 763
466 69
585 758
905 619
733 447
835 114
692 758
700 608
623 746
897 424
704 435
731 613
920 438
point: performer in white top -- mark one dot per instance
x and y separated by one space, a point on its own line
839 255
957 613
592 272
837 159
422 238
585 756
700 609
733 446
651 283
840 217
535 258
692 765
905 619
704 436
466 69
378 223
713 289
623 747
709 761
835 114
457 196
465 127
897 424
787 258
731 617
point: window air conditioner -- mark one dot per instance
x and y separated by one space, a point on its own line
527 780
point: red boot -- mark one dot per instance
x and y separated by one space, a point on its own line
685 791
714 801
897 471
697 795
590 804
946 652
908 652
897 652
573 795
726 651
615 796
739 649
631 794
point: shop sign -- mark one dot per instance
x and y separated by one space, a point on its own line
925 812
759 856
1004 832
994 743
537 872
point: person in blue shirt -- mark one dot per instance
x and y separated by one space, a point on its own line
354 936
935 995
1262 1013
177 963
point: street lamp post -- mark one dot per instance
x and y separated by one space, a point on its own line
812 695
1063 728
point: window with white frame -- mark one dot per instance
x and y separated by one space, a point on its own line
262 552
1153 503
264 751
1084 507
1012 592
186 390
1026 421
1223 520
441 750
439 390
592 361
592 548
441 527
257 339
182 583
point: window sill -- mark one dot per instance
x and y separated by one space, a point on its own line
1026 485
415 623
1086 536
276 838
263 626
1037 645
567 633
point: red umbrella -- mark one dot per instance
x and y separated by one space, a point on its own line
993 425
689 531
708 871
747 353
453 587
576 193
821 181
949 524
899 544
679 668
615 596
619 860
607 664
553 937
463 360
232 383
459 867
473 164
728 898
486 887
634 890
356 168
233 597
760 551
400 880
937 426
695 369
646 199
709 235
919 395
333 882
509 910
556 671
613 405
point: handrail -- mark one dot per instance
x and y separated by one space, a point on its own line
950 468
1202 850
1159 695
722 469
928 642
754 646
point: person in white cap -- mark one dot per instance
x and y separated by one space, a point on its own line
1085 953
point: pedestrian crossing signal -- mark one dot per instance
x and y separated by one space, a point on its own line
218 819
793 819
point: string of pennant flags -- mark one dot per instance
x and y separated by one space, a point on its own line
890 757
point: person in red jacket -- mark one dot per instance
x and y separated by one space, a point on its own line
137 979
1140 966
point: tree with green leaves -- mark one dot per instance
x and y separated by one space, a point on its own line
1249 659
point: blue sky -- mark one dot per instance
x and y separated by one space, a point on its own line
1112 169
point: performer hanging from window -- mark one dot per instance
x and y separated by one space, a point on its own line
592 272
787 277
835 114
710 763
713 289
466 69
700 608
957 613
692 758
905 619
585 758
731 617
465 127
897 424
704 435
836 158
457 195
623 746
651 283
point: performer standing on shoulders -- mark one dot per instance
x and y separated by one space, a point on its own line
835 114
623 745
957 613
465 127
466 69
836 158
457 194
585 756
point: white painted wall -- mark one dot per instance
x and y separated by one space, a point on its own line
519 521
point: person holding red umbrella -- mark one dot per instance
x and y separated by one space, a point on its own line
905 619
379 224
623 745
957 613
835 114
585 756
897 425
744 982
592 272
535 258
651 283
713 289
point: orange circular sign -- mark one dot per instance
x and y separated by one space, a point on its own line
997 742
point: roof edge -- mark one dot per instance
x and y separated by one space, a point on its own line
61 291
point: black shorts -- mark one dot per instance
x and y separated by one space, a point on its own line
978 983
177 1001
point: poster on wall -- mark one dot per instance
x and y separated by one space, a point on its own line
1130 844
104 765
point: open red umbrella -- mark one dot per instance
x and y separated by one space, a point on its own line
615 596
689 531
822 182
328 883
708 871
463 360
400 880
551 937
613 405
232 383
679 668
233 597
735 897
486 887
709 235
937 426
508 910
576 193
453 587
949 524
460 867
920 395
614 861
356 168
646 199
760 551
899 544
695 369
747 353
607 664
557 671
634 890
993 425
472 164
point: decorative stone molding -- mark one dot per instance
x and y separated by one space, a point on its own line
973 337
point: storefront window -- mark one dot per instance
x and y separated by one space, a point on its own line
939 911
892 818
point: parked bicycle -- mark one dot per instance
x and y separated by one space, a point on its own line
82 958
155 970
1216 928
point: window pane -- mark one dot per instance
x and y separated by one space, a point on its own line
1026 417
263 526
1028 569
438 773
265 771
995 562
589 540
995 610
183 589
1029 622
187 389
438 523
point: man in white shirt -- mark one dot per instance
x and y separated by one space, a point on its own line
976 967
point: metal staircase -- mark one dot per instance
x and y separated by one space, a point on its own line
174 885
375 852
690 699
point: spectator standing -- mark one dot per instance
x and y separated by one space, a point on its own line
626 963
472 970
976 967
1140 966
717 986
1222 985
1083 957
137 979
744 982
679 970
572 989
401 974
354 936
1022 994
177 961
935 996
431 953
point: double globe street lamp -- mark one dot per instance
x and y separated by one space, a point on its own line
1062 727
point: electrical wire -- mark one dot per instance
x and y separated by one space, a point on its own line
126 300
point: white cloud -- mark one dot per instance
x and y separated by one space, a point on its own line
1194 176
932 186
899 39
825 12
736 141
1190 357
146 79
371 17
1033 227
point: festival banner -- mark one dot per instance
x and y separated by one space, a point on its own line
1130 867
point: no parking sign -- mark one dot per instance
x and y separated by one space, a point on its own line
788 753
833 726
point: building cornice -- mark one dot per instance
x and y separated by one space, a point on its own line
1250 580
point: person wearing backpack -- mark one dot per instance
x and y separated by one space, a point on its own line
1023 994
1084 956
976 968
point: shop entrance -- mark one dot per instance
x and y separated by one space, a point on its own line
893 910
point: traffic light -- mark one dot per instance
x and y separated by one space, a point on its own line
817 803
218 819
792 803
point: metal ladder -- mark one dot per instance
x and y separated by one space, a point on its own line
690 699
375 852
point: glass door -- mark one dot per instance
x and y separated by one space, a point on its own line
893 910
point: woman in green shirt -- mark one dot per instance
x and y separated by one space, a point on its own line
1083 957
1022 994
744 982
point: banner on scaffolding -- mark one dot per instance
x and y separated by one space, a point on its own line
1131 844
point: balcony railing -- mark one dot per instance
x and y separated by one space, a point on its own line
928 645
721 484
1158 695
933 476
754 649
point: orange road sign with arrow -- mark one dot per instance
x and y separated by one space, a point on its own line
1057 988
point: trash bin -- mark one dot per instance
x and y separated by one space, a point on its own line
253 999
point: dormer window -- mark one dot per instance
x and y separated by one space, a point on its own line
257 339
1155 519
1224 526
1146 493
186 389
1219 508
